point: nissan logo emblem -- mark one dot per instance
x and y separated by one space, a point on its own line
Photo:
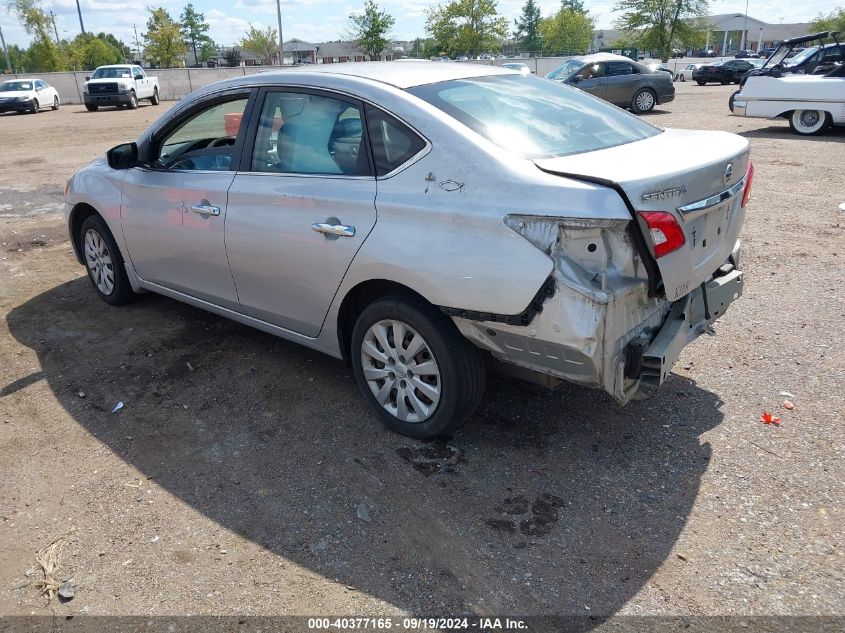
729 170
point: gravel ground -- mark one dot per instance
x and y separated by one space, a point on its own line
234 478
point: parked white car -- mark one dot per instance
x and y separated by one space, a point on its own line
811 103
121 85
519 67
685 73
27 95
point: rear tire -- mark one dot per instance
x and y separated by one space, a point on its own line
104 263
809 122
682 79
425 384
154 99
91 107
732 99
644 101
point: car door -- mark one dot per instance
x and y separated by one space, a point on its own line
591 78
142 88
301 207
621 80
45 99
174 208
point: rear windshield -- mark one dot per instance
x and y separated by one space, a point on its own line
535 118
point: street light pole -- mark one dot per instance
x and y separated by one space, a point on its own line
79 11
9 68
281 39
744 27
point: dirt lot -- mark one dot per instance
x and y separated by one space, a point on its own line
232 487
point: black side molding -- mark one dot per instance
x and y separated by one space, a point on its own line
522 319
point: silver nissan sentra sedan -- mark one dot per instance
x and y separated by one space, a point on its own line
425 222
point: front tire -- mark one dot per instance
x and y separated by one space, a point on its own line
92 107
34 107
699 82
154 99
644 101
133 101
104 263
420 375
55 103
732 99
809 122
682 79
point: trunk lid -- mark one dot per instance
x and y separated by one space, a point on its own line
682 172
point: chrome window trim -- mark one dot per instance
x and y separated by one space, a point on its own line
689 211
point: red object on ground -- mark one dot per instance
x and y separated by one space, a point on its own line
768 418
787 404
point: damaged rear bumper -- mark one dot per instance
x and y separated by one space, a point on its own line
618 340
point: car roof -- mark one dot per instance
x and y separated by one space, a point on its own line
604 57
21 79
403 76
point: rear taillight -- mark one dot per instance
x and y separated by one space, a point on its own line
666 234
748 178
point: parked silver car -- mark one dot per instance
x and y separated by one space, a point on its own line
424 220
617 79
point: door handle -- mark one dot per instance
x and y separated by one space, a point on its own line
205 209
340 230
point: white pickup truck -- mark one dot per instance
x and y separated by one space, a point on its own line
121 85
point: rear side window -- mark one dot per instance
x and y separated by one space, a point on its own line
615 69
393 142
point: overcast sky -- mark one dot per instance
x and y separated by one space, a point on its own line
322 20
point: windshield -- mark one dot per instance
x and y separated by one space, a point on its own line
15 86
112 73
777 57
564 72
803 56
534 118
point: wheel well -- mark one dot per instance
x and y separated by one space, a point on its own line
359 298
78 215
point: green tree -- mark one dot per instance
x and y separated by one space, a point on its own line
573 5
833 21
660 23
87 51
195 33
265 44
117 44
466 26
43 54
370 29
527 30
567 32
163 39
232 57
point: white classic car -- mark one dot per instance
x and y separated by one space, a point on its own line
811 103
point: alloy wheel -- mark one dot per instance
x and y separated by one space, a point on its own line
99 262
401 370
645 101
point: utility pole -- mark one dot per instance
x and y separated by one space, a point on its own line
281 39
55 30
79 11
137 43
9 68
745 28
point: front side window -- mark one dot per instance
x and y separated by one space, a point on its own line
534 118
393 142
564 72
592 71
303 133
206 141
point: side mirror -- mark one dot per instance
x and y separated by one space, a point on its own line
87 77
139 77
123 156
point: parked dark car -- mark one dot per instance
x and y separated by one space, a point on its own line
617 79
724 73
765 53
746 54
